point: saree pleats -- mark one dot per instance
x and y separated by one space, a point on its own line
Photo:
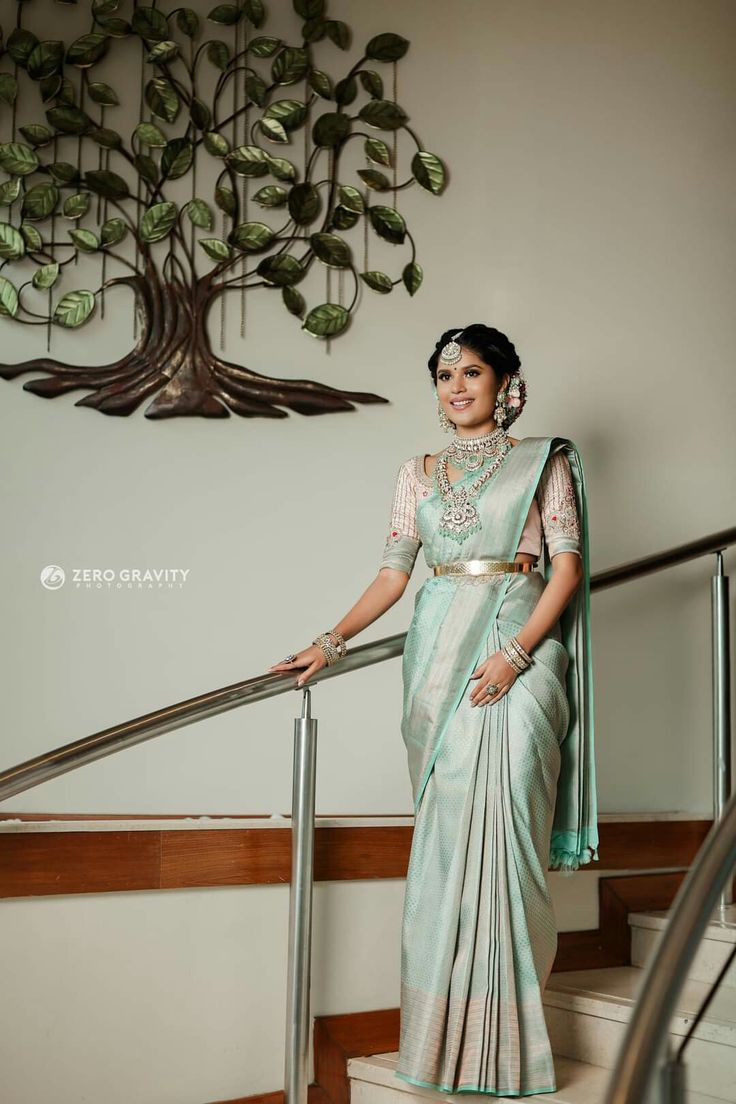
479 935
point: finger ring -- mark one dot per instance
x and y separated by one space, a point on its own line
290 658
492 689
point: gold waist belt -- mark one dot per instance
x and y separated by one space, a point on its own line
481 567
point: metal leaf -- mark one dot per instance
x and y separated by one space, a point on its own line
330 129
282 270
150 135
383 114
50 87
8 88
387 47
17 159
176 160
294 301
377 151
74 308
305 203
331 249
227 14
200 214
218 53
372 82
200 114
264 46
75 206
290 113
314 30
248 161
378 281
106 183
273 130
345 91
429 171
320 83
272 195
31 237
12 245
64 172
343 219
146 167
45 59
162 98
108 139
150 24
309 9
20 45
87 50
102 93
252 237
226 201
163 51
351 198
326 320
412 276
215 248
85 240
39 201
113 26
158 222
8 297
69 119
256 89
338 32
388 223
216 144
36 134
254 12
188 22
290 65
9 191
46 276
374 179
281 168
112 231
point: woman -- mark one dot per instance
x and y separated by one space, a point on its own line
497 721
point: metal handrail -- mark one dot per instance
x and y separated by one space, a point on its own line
88 749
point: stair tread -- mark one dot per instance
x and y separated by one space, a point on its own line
657 919
611 992
577 1082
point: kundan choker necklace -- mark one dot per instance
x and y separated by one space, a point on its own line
469 453
460 517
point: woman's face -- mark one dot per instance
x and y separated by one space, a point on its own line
467 391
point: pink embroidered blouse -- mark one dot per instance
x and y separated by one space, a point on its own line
553 512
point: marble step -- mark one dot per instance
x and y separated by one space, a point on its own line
714 949
372 1081
587 1012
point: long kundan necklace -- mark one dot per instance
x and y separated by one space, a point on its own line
460 517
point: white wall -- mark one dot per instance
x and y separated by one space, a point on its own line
589 216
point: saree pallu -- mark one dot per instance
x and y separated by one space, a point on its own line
501 793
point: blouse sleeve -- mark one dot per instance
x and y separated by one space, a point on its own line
402 541
558 506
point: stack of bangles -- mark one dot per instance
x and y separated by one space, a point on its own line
331 649
515 655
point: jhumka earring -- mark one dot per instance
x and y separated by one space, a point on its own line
499 414
447 425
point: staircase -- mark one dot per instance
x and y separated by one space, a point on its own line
587 1012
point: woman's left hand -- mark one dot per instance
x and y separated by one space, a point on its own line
496 670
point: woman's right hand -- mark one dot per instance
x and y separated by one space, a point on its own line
312 659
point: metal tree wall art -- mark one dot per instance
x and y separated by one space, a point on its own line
157 196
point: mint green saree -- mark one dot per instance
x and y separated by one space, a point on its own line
501 792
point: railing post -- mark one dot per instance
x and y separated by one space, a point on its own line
722 766
296 1068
